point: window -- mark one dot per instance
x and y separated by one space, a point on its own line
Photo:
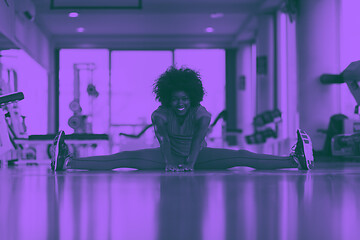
92 66
32 80
211 65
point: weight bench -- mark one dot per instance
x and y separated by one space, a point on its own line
43 143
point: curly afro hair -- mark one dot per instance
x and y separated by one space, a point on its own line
183 79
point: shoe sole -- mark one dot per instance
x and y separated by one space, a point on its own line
307 148
57 150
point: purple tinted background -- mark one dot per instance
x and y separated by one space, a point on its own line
101 106
126 101
294 200
341 48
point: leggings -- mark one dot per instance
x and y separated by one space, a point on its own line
209 158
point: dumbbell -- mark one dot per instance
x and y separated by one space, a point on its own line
266 117
260 136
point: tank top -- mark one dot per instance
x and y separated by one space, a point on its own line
181 134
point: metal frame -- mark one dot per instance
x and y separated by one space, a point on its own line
54 7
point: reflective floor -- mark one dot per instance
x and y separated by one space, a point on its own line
237 204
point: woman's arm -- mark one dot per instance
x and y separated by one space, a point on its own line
164 141
199 135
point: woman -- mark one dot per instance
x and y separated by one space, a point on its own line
181 124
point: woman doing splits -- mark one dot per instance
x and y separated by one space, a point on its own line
181 124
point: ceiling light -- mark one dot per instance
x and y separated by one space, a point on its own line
73 14
217 15
80 29
209 29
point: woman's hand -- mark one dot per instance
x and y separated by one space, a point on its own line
174 167
189 164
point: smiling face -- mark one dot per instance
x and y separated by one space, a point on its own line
180 103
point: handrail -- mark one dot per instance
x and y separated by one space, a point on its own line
222 115
138 135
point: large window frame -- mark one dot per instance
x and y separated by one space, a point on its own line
110 66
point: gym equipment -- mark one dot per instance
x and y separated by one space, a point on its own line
91 90
13 125
265 126
82 123
260 136
7 146
267 117
77 143
78 123
9 150
11 98
15 120
336 127
229 134
347 144
137 135
350 76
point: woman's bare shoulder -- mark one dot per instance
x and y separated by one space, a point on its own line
161 112
202 112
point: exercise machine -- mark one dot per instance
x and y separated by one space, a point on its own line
348 141
12 122
80 122
8 148
16 145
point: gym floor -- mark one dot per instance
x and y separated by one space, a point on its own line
241 203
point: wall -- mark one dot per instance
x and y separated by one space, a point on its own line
265 48
318 53
245 91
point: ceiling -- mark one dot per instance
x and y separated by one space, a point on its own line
154 24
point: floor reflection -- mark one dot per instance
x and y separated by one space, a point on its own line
181 206
37 204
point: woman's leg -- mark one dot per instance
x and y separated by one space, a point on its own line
140 159
209 158
219 158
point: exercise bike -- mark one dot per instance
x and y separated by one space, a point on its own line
347 143
8 148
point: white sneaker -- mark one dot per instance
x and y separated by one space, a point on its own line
303 151
60 152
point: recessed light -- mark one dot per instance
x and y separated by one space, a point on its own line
73 14
80 29
217 15
209 29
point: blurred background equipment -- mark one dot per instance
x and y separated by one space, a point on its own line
8 148
82 122
14 125
265 126
343 132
